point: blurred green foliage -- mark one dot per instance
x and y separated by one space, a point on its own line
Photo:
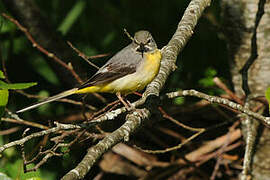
96 27
4 93
179 100
3 96
2 76
3 100
14 170
72 16
207 80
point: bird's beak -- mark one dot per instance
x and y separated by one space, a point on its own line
142 49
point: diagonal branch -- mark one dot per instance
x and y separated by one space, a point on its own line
134 121
177 43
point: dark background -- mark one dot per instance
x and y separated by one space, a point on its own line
98 29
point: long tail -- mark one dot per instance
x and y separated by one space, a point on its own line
50 99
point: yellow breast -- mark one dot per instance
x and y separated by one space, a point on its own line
152 62
144 74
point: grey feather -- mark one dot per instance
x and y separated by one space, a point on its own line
49 99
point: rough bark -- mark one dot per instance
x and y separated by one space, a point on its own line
133 121
239 22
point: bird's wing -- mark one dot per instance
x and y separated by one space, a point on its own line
123 63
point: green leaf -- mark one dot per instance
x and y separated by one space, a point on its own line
207 82
15 170
64 149
179 100
4 85
72 16
10 153
3 100
6 25
210 72
2 76
267 95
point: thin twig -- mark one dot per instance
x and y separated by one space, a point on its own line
134 121
22 150
112 104
9 131
210 146
41 49
174 147
86 58
128 35
223 86
209 156
165 115
218 100
38 134
16 119
28 123
220 157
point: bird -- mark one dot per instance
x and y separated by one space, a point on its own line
129 70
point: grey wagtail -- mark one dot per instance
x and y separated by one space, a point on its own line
130 70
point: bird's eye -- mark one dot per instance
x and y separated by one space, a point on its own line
136 42
149 40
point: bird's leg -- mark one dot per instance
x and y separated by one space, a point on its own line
127 104
137 93
83 107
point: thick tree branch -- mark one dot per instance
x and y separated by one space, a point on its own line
133 121
177 43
